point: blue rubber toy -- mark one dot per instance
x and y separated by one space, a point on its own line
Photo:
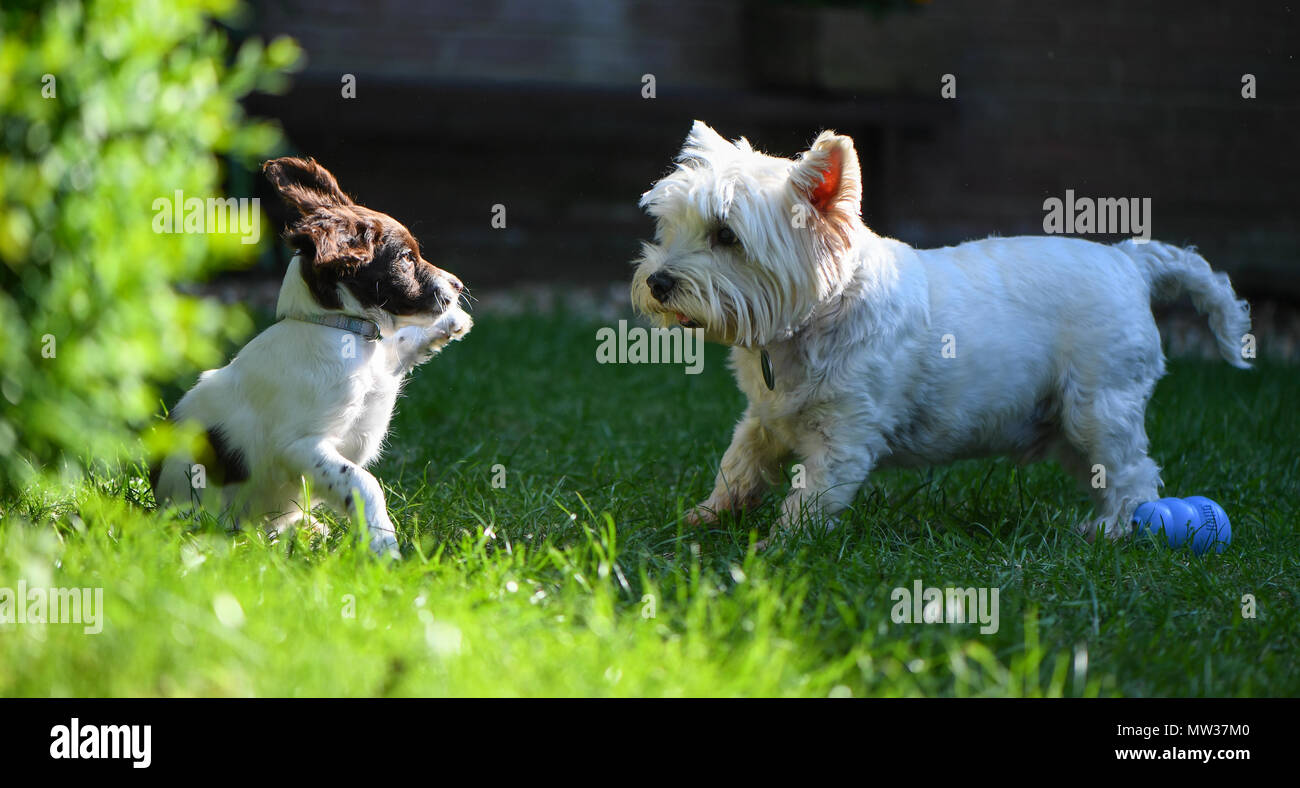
1195 519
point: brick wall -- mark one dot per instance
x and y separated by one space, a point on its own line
537 105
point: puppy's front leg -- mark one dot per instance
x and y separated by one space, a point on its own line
347 487
417 344
750 465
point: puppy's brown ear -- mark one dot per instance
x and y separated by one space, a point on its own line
303 186
335 242
829 177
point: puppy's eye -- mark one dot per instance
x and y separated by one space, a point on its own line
725 237
408 259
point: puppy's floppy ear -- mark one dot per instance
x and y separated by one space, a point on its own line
321 222
335 242
337 237
829 177
302 185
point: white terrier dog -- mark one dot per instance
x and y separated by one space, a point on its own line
857 351
311 396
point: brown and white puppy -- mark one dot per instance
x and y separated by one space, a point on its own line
311 396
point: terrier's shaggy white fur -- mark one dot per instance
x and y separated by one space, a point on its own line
881 354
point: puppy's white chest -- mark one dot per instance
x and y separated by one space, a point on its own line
373 395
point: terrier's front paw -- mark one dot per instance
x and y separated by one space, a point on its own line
709 510
704 514
780 534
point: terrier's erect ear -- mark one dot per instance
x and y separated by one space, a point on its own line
828 176
701 140
303 185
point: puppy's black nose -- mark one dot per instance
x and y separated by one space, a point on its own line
661 285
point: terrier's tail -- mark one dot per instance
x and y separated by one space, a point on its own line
1172 271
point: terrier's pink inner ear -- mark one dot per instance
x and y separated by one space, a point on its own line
822 194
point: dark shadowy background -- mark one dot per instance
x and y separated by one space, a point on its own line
538 106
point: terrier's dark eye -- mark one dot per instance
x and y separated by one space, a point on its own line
725 237
407 258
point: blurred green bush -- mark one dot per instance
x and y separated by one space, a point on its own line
105 107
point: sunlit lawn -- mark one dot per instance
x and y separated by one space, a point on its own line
577 577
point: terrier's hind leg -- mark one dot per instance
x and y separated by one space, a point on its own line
1107 450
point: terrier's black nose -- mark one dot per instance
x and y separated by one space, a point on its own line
660 284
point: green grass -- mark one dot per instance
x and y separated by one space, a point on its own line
577 577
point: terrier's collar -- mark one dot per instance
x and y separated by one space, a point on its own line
765 360
363 327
